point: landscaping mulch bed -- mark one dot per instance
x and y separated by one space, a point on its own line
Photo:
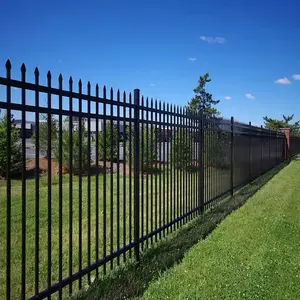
43 166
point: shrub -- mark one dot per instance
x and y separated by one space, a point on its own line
217 146
44 136
75 148
182 152
108 140
16 155
148 156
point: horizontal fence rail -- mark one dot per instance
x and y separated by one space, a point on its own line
91 177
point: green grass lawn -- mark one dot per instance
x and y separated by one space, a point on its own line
253 254
187 201
16 221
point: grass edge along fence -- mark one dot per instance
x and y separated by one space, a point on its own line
69 224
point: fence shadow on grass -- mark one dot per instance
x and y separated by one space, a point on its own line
130 281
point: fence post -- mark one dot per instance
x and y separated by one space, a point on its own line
261 150
270 164
136 173
231 158
287 142
276 148
201 164
250 153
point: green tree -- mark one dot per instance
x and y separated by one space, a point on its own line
43 133
214 139
202 99
148 155
16 154
216 147
181 151
75 149
108 140
275 124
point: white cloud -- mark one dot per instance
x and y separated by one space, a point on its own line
249 96
213 40
283 80
192 59
152 84
296 76
227 98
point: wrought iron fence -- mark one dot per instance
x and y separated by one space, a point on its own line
294 145
110 175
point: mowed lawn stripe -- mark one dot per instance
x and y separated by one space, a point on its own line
253 254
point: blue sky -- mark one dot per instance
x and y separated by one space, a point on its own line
162 47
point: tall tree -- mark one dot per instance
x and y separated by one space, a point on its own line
275 124
202 99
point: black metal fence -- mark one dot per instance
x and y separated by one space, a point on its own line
111 174
294 145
